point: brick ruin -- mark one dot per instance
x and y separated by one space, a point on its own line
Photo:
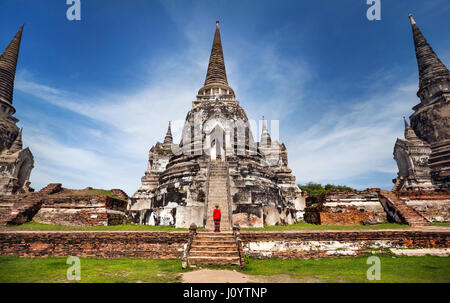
217 162
345 208
60 206
374 206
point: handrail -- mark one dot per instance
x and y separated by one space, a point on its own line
187 249
205 212
230 208
237 235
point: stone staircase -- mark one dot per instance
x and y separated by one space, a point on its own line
16 209
218 193
214 249
398 208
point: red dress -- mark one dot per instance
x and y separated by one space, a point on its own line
216 216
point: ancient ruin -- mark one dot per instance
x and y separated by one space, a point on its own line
374 206
430 122
217 162
16 162
411 155
61 206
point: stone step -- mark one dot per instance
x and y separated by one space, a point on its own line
223 234
213 253
214 260
215 234
408 214
231 247
213 243
211 238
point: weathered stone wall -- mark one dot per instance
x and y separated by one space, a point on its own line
153 245
307 244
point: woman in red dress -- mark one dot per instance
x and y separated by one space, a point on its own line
216 216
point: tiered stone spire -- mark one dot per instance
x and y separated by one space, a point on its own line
17 144
8 63
431 69
216 82
216 68
168 139
265 135
409 132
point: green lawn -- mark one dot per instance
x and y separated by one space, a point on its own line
31 226
394 269
126 270
306 226
441 224
48 227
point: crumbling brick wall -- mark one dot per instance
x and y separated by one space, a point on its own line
433 205
82 211
345 208
307 244
166 245
56 205
153 245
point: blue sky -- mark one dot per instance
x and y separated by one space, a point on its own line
94 95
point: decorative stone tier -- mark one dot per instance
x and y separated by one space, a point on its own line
258 197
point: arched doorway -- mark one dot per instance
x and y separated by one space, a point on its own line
217 147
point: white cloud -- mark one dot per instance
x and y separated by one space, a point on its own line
354 140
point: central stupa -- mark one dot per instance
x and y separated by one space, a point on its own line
217 162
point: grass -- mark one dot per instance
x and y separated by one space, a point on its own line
34 226
91 192
127 270
441 224
124 270
394 269
308 226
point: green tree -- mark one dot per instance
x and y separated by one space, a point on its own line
315 189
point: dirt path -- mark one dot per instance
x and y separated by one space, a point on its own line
215 276
232 276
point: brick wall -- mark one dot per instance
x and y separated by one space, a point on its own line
165 245
345 208
153 245
307 244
